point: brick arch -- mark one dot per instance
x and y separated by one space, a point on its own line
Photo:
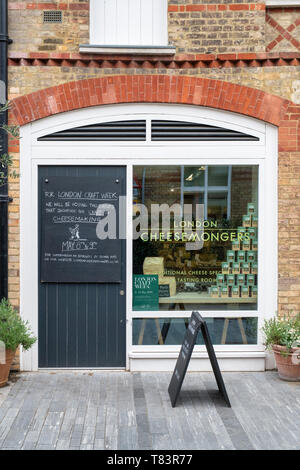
149 89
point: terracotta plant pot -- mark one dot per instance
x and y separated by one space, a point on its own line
288 365
5 368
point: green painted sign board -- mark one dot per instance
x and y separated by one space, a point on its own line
145 292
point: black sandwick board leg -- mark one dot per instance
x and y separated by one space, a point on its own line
214 362
196 323
184 357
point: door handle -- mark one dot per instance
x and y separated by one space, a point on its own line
122 292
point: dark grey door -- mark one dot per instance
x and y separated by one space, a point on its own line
82 324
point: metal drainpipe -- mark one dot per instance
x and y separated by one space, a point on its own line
4 199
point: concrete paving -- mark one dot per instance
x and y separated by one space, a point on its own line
124 411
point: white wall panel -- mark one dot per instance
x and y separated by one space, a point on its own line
146 21
122 22
97 22
129 22
160 22
110 18
134 21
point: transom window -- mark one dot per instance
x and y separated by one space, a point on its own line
160 131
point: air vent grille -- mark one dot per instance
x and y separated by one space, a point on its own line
108 131
52 16
160 131
189 131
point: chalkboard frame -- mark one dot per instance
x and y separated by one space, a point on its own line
54 268
196 324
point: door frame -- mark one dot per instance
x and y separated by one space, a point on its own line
34 154
118 331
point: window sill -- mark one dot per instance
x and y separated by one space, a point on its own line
282 3
126 50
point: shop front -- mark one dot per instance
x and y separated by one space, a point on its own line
135 215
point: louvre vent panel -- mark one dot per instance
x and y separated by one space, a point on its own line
160 131
187 131
109 131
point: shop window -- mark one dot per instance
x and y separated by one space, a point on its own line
129 22
195 240
170 331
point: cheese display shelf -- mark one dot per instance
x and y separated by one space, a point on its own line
203 298
238 281
235 284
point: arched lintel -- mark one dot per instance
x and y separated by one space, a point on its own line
149 89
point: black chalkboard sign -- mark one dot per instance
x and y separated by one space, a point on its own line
196 324
74 211
164 290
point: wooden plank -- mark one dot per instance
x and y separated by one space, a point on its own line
158 330
142 331
110 22
146 22
97 22
134 33
160 23
122 17
242 330
224 333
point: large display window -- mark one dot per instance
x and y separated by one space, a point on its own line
195 237
195 246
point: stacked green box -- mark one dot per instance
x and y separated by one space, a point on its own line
246 268
236 268
239 271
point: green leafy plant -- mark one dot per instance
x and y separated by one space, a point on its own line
283 331
14 331
6 160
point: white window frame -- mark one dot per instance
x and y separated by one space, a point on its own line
263 153
282 3
128 26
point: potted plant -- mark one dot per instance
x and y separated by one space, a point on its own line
13 332
282 335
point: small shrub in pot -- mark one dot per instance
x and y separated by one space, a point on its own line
282 335
14 332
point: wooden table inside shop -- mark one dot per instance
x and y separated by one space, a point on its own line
196 298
